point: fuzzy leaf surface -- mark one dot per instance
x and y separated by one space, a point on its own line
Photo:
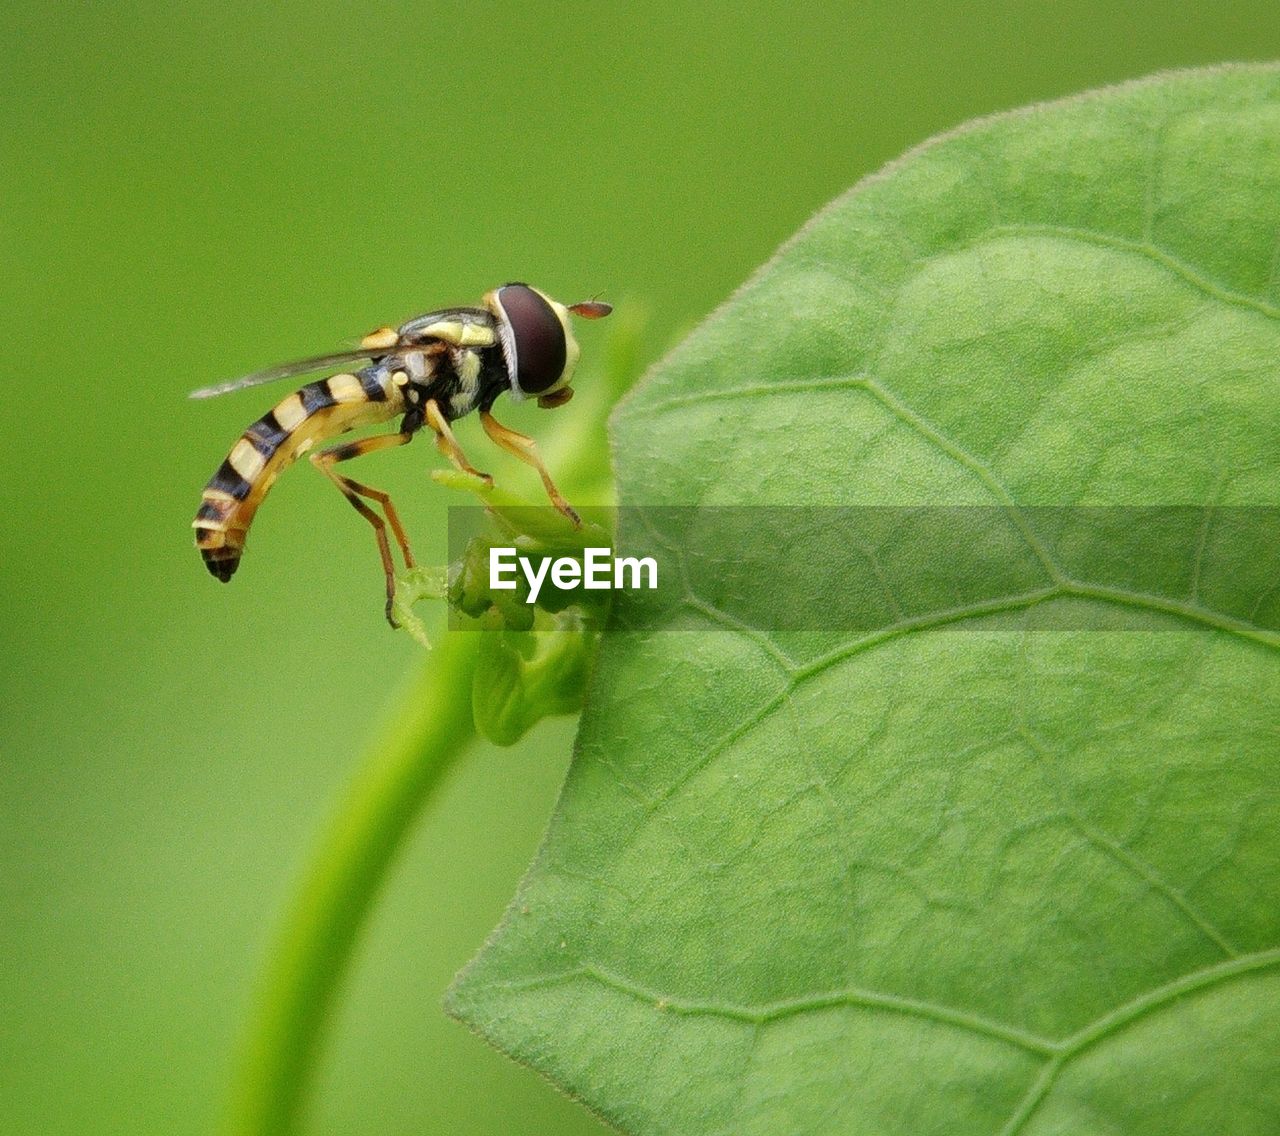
1009 860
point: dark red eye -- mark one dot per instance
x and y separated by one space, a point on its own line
537 335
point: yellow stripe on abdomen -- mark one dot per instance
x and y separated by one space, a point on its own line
272 444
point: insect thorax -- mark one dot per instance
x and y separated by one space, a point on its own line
458 379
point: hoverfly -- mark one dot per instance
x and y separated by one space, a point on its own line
432 370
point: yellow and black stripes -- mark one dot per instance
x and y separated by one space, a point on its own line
269 446
428 372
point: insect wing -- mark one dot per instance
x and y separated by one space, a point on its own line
290 370
457 327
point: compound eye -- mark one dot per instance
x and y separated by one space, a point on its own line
537 335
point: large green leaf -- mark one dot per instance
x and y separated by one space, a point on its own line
970 870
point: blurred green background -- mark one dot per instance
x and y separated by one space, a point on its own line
192 191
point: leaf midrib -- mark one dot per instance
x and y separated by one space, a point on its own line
1062 1049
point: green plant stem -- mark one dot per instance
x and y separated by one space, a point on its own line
406 764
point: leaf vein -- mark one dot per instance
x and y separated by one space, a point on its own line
957 453
1163 996
1036 1092
1148 250
1143 601
780 1009
758 390
1115 851
866 642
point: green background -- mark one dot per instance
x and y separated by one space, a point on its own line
187 192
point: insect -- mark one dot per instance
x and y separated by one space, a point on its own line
430 371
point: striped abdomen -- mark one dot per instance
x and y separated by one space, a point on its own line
272 444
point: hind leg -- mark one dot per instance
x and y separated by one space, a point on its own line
353 491
448 444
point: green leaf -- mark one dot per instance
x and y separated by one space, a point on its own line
973 870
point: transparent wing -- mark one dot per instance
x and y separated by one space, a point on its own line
289 370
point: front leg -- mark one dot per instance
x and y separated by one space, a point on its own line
526 449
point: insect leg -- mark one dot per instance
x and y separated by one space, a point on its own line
526 449
447 443
354 490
